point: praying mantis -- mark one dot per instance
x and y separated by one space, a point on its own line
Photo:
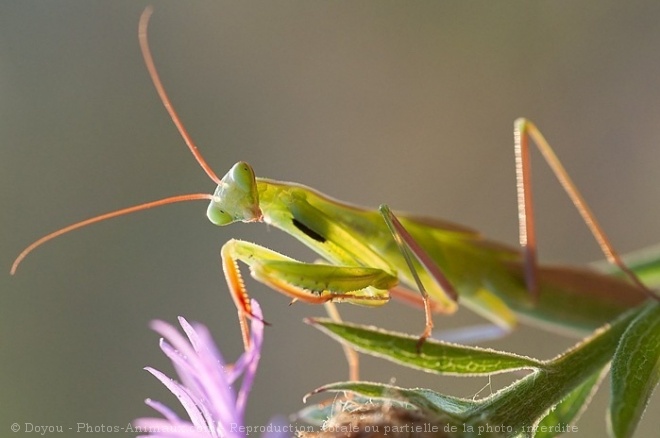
371 255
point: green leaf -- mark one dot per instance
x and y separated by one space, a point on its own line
569 409
315 415
373 405
635 371
434 356
425 399
564 382
521 405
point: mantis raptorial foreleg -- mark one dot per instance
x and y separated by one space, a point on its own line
307 282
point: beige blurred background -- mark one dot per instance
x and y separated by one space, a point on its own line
406 103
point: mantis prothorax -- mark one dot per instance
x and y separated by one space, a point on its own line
369 253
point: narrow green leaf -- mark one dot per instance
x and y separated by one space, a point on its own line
521 405
635 371
565 381
569 409
443 406
435 356
315 415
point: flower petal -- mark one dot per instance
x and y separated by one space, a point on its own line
205 389
184 397
251 358
165 411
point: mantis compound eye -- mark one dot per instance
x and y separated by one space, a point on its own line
236 198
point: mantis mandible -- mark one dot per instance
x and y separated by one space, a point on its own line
367 253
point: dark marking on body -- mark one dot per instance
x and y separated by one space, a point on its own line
308 231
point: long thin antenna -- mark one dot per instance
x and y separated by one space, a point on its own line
148 59
110 215
153 73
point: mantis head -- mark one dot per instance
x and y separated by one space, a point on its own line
236 198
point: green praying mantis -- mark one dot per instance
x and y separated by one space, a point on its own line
371 255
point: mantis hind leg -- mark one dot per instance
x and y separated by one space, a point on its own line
523 131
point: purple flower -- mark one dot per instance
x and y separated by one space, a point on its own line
206 388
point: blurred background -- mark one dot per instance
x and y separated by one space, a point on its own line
406 103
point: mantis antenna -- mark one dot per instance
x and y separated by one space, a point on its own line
153 73
148 59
